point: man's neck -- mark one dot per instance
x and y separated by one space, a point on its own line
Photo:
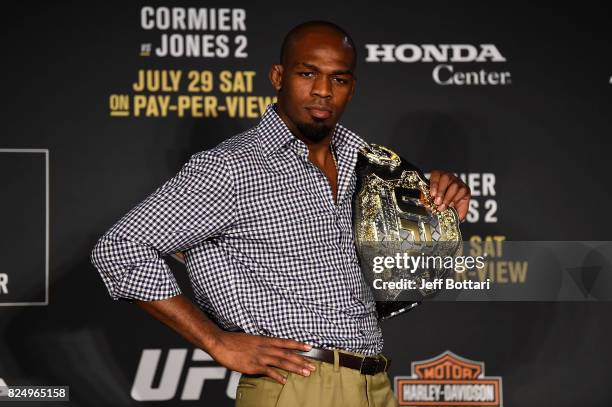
318 151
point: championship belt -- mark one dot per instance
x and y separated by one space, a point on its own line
394 215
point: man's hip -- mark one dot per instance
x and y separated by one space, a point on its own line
333 383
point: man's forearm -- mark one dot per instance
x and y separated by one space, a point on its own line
182 315
237 351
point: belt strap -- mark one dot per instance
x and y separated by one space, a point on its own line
369 365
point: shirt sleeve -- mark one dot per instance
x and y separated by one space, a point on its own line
194 205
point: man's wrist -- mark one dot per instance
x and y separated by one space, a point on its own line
212 340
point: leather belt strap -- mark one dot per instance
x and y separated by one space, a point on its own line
369 365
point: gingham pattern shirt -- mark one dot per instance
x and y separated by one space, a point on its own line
267 249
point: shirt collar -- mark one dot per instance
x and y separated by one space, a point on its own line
274 133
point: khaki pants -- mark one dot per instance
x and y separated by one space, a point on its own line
329 385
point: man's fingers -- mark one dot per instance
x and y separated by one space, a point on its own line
293 358
448 191
289 344
433 189
461 202
442 185
449 196
280 354
462 193
288 365
274 374
434 178
462 207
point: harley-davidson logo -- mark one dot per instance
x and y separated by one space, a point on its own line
448 380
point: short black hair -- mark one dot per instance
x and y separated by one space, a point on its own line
316 24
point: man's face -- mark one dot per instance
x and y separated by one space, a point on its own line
314 83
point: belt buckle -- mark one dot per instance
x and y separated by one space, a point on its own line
369 365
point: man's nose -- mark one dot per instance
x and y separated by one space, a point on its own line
322 86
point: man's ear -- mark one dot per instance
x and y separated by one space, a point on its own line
276 76
353 86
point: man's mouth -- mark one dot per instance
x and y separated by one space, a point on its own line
319 112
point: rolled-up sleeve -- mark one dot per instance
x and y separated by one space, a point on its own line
196 204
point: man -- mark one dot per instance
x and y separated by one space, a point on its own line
264 219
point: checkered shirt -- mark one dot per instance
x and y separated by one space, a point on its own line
266 248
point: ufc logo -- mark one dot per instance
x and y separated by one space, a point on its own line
414 215
171 372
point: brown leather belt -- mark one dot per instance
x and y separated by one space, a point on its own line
369 365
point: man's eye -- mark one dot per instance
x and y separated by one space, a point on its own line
341 81
307 74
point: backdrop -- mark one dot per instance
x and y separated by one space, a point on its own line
104 102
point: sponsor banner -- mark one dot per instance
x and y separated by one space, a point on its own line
448 380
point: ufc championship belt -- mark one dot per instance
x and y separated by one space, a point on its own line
393 215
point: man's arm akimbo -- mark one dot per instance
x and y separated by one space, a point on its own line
241 352
198 203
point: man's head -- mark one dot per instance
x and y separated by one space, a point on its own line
315 78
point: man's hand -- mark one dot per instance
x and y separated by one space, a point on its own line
253 354
241 352
447 190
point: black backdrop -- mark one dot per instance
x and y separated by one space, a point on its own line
539 141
